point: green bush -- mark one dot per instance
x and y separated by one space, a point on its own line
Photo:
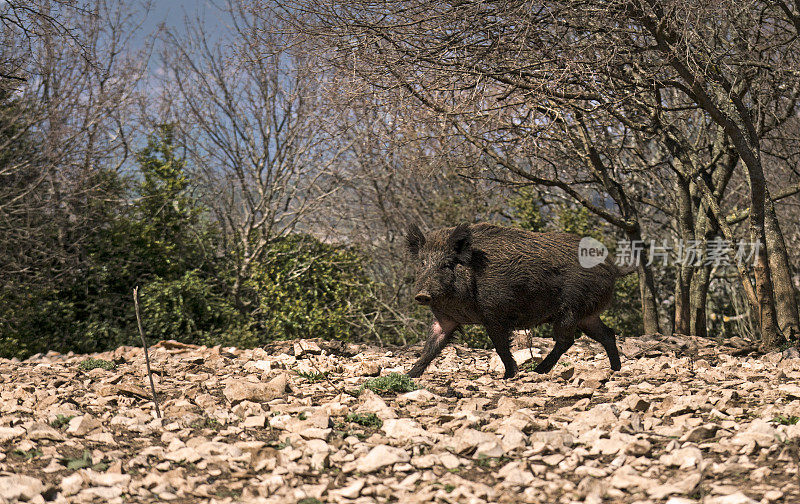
307 288
191 309
150 230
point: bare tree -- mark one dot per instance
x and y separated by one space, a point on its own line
70 111
251 110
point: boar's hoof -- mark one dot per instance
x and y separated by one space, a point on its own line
510 373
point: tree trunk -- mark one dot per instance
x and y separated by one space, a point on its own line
683 282
786 304
647 292
771 337
698 296
684 272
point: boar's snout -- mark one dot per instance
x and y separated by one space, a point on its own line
423 298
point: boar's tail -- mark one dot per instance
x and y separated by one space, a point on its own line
626 270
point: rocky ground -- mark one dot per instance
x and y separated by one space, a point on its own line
684 421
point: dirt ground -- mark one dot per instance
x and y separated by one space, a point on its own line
686 420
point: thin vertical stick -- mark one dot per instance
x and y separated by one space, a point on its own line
144 344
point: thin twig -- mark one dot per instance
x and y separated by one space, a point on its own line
328 378
144 344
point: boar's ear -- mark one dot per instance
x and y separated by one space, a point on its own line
460 242
414 239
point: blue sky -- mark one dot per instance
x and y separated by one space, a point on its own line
175 13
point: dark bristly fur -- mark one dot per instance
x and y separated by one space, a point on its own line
505 279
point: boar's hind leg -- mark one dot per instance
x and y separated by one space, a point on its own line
501 338
441 332
565 337
601 333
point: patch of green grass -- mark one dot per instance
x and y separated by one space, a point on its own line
530 365
286 443
341 430
313 376
449 488
309 500
206 423
83 462
394 382
227 492
302 416
483 461
365 419
61 421
27 455
487 462
786 420
92 363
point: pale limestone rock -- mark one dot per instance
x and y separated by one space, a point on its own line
184 454
70 485
370 402
701 433
351 491
425 461
608 446
403 429
515 474
683 458
9 433
306 347
419 395
639 447
627 478
255 422
20 487
466 440
238 390
520 356
512 438
553 439
105 494
489 449
681 486
759 432
734 498
449 461
381 456
94 478
82 425
315 433
39 431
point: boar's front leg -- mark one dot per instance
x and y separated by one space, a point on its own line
441 333
565 337
501 338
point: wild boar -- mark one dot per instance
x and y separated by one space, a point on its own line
505 279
